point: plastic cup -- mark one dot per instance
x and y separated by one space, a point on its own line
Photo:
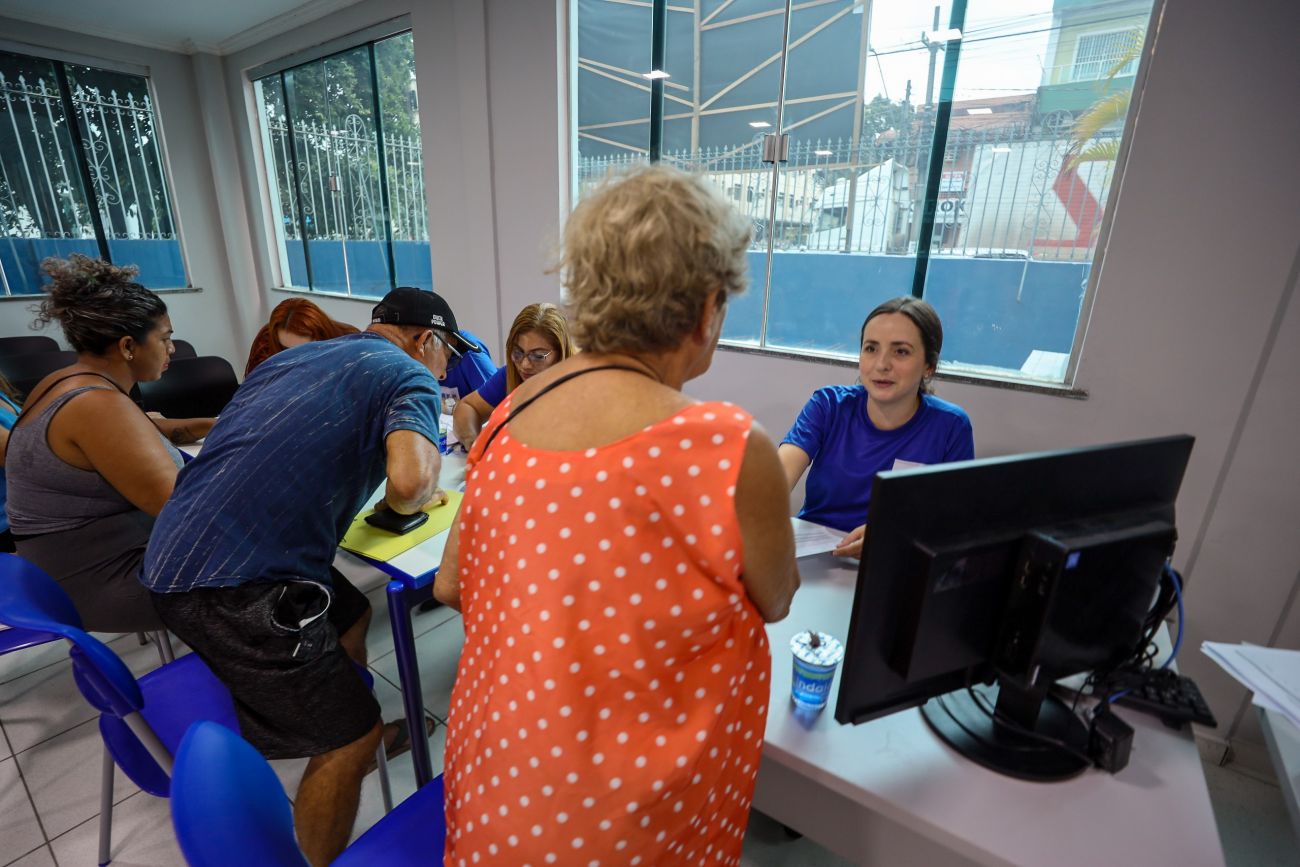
815 661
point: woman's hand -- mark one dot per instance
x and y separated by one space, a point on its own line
851 545
182 431
468 419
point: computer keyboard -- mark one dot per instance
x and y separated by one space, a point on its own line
1167 694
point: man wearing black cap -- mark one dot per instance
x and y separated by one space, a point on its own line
239 560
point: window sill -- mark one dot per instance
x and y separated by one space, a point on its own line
309 293
966 377
37 296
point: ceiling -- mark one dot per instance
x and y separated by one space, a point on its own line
213 26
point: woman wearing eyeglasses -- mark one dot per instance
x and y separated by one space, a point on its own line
538 339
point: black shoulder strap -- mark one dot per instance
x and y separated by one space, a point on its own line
32 400
514 411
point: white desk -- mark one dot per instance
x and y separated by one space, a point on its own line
426 556
889 792
411 571
1283 741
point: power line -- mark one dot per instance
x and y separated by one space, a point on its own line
919 45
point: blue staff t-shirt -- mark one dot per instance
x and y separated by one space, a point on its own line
847 450
294 457
494 390
473 369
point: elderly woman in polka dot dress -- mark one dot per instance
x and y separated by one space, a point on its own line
618 550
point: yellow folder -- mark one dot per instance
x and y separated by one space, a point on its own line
381 545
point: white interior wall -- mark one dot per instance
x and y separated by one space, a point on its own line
204 318
1247 570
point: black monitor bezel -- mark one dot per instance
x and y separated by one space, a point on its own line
961 501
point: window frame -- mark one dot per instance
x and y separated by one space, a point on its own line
1069 387
1104 64
61 59
277 253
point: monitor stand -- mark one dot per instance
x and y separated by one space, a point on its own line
970 729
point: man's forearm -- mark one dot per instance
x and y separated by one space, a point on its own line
406 499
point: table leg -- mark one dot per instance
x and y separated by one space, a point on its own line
408 673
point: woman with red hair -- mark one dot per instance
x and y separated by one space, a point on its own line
294 321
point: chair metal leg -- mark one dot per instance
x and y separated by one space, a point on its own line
144 639
164 639
158 646
385 787
106 810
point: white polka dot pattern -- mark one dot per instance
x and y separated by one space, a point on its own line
611 697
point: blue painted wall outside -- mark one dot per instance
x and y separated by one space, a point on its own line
820 299
367 266
995 312
159 261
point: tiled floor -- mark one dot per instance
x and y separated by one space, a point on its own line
50 757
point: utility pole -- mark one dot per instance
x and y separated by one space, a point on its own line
934 54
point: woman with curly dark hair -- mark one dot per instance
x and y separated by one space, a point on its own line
88 471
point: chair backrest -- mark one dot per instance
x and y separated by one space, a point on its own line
191 388
228 807
27 343
184 349
25 371
30 599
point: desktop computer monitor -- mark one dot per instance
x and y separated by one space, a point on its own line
1012 571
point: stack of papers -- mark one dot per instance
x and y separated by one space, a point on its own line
1272 674
810 539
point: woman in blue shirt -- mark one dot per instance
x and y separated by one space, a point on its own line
847 434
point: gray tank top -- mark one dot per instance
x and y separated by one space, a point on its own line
48 495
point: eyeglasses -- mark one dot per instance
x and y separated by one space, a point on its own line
537 356
455 357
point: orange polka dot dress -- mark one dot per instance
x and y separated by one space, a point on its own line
610 702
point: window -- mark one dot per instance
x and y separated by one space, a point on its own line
934 150
1101 54
346 219
81 171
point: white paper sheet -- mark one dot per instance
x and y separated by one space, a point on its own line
1272 674
810 538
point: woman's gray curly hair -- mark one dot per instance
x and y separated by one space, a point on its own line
643 252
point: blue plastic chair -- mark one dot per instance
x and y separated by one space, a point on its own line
228 808
141 721
14 639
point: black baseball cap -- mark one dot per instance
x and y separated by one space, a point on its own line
407 305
